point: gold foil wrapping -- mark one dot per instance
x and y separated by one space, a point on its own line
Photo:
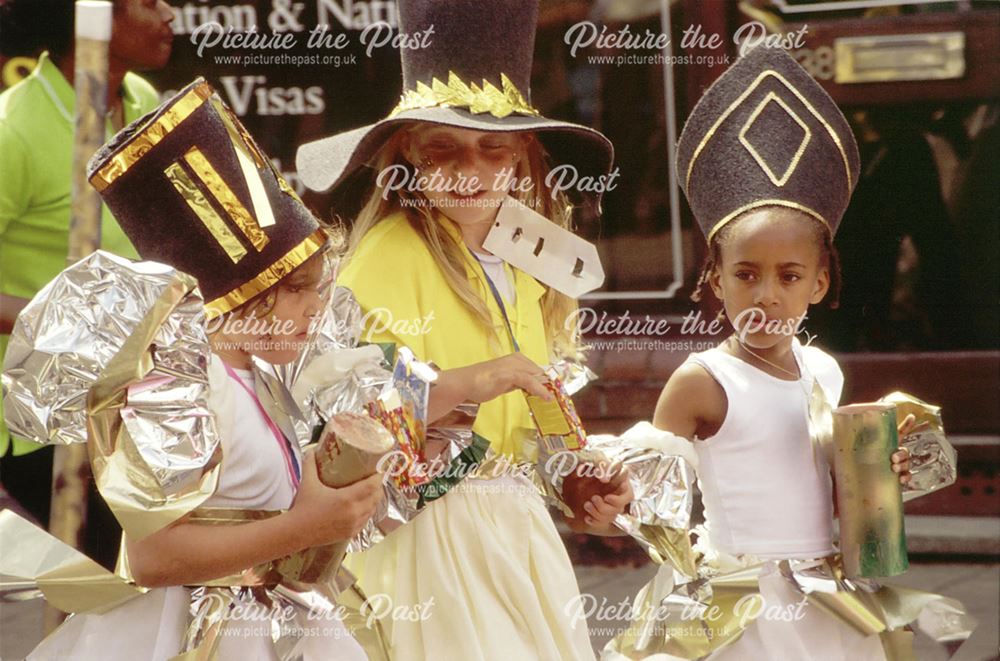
869 498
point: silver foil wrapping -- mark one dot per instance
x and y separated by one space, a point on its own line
337 373
933 462
124 344
75 325
661 474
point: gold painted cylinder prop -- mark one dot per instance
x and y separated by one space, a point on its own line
350 450
869 496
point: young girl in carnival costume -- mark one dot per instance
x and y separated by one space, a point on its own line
185 426
487 553
768 163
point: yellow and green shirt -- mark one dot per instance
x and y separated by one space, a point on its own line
36 165
406 300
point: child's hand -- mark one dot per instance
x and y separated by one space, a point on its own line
327 515
484 381
901 457
602 510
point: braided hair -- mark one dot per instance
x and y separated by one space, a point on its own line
829 258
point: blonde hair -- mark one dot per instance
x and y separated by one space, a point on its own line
557 308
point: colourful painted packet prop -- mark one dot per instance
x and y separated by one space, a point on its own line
403 411
558 424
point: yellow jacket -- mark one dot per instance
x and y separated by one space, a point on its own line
406 300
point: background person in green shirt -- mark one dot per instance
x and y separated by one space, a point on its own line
36 145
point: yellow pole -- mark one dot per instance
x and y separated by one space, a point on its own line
71 467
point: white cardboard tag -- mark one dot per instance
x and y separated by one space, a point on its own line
556 257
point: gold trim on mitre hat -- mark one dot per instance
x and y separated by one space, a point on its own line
766 134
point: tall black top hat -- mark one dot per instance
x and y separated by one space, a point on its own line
474 73
765 133
191 189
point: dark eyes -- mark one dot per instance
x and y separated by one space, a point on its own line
785 277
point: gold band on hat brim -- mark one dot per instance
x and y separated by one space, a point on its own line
766 203
149 136
267 278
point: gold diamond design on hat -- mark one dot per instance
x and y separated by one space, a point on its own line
789 168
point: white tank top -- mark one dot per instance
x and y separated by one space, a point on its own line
762 491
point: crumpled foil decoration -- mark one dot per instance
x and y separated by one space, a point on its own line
337 373
122 344
933 461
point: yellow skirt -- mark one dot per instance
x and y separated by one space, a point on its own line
480 574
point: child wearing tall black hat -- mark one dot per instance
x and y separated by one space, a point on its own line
487 552
192 190
768 164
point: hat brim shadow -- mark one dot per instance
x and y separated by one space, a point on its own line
324 164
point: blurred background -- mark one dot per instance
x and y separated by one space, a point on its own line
920 243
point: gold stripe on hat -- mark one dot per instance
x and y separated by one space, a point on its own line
742 97
268 277
224 196
790 170
196 199
767 203
149 136
238 133
457 94
251 160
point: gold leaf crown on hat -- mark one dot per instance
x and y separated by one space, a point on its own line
457 94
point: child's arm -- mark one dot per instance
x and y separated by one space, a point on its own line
692 403
187 553
484 381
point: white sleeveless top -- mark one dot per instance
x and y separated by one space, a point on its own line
762 491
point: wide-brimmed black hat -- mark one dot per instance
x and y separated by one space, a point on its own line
474 73
765 133
191 189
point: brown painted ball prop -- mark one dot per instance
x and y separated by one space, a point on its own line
582 484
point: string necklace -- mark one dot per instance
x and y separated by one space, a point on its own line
756 355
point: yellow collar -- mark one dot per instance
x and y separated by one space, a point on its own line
527 288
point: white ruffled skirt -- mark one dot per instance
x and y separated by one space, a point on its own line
480 574
152 626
